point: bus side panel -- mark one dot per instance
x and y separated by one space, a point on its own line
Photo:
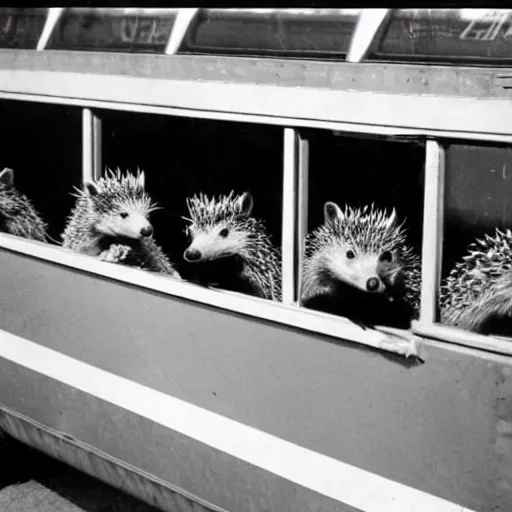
194 470
440 426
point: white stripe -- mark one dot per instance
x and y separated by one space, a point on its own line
368 24
54 13
327 476
183 20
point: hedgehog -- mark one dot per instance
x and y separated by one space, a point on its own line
17 214
477 294
358 264
235 247
110 221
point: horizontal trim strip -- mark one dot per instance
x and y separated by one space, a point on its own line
327 476
451 334
343 128
404 343
393 78
482 116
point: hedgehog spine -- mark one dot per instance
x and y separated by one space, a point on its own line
365 249
223 226
478 287
110 221
19 217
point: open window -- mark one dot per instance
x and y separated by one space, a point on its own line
183 157
478 187
41 143
357 270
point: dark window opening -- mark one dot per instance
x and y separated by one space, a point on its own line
477 203
182 157
355 279
42 144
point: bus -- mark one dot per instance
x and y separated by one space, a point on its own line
195 398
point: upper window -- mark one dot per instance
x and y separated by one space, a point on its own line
299 33
473 36
20 27
123 30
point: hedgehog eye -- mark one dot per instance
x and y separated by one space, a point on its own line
123 215
224 232
386 256
350 254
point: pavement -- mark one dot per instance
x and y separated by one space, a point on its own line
33 482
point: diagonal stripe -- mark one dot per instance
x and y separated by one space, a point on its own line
330 477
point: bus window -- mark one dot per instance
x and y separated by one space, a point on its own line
41 143
298 33
124 30
183 157
478 188
358 263
468 36
21 27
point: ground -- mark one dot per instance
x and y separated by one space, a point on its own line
32 482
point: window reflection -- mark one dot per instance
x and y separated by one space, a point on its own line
21 27
313 33
476 36
128 30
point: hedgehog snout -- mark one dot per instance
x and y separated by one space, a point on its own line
147 230
373 284
192 255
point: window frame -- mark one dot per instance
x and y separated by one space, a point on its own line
295 162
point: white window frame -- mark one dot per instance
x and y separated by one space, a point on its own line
294 214
433 230
91 146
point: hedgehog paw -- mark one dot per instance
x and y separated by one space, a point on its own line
115 253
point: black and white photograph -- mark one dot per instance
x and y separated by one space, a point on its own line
255 259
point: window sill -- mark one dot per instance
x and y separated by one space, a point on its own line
454 335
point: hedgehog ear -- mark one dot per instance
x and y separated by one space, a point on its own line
7 176
90 189
332 212
246 203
